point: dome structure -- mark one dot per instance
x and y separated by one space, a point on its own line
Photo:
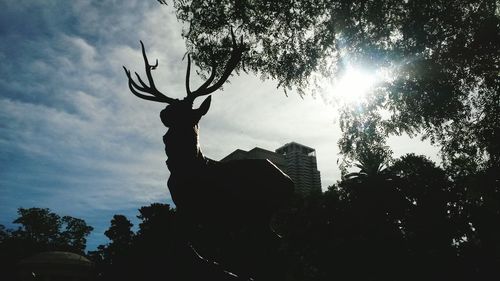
55 265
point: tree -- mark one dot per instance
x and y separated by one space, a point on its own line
45 230
4 233
74 234
479 202
374 208
40 230
371 162
39 226
444 57
363 145
121 235
115 261
156 219
430 222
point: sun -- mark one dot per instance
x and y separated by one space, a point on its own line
354 84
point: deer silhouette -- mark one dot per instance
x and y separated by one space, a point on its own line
220 194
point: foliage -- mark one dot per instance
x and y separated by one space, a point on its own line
74 234
153 219
431 221
480 214
141 255
48 231
40 230
120 231
363 142
444 57
408 221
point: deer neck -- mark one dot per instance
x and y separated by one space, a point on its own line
183 150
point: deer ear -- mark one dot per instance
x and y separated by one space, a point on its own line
205 105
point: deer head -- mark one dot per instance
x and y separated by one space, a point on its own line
180 113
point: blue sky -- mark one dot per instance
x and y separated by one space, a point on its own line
72 137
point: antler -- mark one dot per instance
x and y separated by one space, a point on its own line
231 64
154 94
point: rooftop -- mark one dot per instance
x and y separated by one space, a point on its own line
302 147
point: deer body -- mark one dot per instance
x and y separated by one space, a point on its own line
222 195
219 189
199 186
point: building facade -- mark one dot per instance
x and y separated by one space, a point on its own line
297 160
302 167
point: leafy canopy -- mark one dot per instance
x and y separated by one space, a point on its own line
41 229
443 56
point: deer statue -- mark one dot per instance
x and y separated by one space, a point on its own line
218 194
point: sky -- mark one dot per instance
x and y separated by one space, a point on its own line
75 140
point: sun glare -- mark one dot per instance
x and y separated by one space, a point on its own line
354 84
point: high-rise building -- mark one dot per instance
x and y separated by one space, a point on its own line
297 160
301 167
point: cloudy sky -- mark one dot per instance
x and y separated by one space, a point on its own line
73 138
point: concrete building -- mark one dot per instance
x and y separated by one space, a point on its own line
301 166
297 160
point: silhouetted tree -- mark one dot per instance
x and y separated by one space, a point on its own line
45 230
40 230
74 234
115 260
375 208
479 216
411 222
40 226
156 220
4 233
371 164
121 235
444 57
157 242
312 242
430 220
363 143
155 251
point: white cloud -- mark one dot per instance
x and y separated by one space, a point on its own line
86 52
